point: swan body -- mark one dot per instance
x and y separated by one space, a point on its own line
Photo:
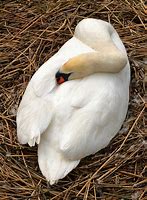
79 117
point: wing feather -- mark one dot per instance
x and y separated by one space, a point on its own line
33 117
87 130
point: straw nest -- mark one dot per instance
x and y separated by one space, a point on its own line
31 32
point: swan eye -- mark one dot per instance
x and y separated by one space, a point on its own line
61 77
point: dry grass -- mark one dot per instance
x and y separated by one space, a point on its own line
31 32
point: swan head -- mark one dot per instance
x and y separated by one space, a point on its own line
74 68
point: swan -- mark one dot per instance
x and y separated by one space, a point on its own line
77 101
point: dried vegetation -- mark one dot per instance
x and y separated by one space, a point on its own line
31 31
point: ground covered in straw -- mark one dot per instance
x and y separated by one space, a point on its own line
31 31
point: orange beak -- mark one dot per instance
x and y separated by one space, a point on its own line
60 80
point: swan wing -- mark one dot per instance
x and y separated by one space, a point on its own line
95 118
36 108
33 117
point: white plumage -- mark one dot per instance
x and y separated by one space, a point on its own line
79 117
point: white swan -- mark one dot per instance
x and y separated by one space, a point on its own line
79 117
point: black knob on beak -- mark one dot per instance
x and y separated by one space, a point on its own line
61 77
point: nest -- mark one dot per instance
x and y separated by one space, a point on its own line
31 32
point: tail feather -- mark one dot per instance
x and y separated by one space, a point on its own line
52 164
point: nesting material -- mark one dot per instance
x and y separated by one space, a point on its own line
30 33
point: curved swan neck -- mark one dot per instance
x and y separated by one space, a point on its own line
92 31
106 57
